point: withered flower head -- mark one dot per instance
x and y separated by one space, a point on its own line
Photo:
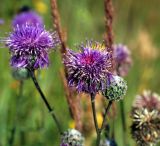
147 100
145 128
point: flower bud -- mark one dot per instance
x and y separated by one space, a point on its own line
72 137
116 88
20 73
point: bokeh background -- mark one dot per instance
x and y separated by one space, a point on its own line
136 24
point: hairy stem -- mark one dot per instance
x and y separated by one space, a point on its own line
51 111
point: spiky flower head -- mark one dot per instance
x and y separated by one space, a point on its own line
88 68
123 59
29 17
72 137
20 73
145 127
147 100
29 46
116 88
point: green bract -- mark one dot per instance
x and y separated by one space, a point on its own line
20 74
116 88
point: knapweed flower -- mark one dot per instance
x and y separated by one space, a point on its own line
29 17
72 137
147 100
116 88
29 46
145 127
123 59
88 68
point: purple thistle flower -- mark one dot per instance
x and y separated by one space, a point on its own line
123 59
29 17
29 46
88 68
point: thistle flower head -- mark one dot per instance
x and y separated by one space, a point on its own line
116 88
147 100
123 59
145 127
29 17
72 137
88 67
29 46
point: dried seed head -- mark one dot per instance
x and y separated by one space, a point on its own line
147 100
145 127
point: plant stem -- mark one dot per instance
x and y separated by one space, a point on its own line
104 120
45 100
99 131
105 115
123 117
94 113
95 118
13 130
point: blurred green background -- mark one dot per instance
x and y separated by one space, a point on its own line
136 24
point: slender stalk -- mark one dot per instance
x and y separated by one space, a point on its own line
94 113
104 120
13 130
123 118
71 95
57 25
45 100
105 115
95 118
109 20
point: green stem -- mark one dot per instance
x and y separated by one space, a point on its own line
45 101
123 117
105 115
95 118
13 130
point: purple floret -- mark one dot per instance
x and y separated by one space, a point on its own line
29 17
29 46
88 68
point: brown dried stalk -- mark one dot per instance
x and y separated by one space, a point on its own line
74 104
57 25
109 43
109 21
71 96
